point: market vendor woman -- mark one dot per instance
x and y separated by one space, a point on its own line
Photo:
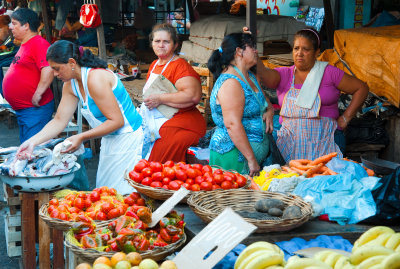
308 93
106 106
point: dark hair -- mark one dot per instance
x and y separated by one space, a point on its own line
167 28
222 57
62 50
26 15
312 35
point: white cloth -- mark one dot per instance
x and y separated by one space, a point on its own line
309 90
119 153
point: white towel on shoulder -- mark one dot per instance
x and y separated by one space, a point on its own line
309 90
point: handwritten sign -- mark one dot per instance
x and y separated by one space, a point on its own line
220 236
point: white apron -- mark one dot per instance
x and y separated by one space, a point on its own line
118 152
153 118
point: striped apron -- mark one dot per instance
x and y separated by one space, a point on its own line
305 135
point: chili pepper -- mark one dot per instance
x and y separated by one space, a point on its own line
144 214
164 235
175 238
144 245
112 225
164 222
180 224
122 222
130 213
129 247
140 225
105 238
160 243
151 234
82 218
172 230
99 240
126 231
87 231
114 247
107 249
88 242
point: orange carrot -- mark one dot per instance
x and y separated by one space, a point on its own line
328 171
302 164
253 185
298 171
314 170
324 159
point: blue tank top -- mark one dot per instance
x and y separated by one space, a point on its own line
132 119
251 120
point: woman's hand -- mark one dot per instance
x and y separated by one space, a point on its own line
342 122
76 141
268 117
25 151
153 101
254 168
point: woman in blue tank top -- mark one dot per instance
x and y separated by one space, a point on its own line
106 106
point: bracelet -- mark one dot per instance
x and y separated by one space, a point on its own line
345 121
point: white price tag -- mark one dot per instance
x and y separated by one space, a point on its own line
168 205
220 236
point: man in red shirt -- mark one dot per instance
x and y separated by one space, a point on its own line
26 83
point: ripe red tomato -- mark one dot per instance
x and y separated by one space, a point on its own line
218 179
181 175
140 166
228 177
112 191
156 184
92 214
157 176
187 186
156 166
74 210
235 185
206 186
147 172
218 171
147 181
169 173
198 180
129 200
241 180
197 166
113 213
191 173
100 216
135 195
189 181
173 185
81 195
206 168
88 203
104 190
216 187
94 196
63 216
55 213
165 187
54 202
140 201
51 208
135 176
166 181
70 197
169 164
226 185
64 208
210 180
195 187
106 207
198 172
180 182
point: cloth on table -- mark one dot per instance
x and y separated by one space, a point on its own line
325 241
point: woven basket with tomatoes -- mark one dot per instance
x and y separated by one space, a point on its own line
128 234
160 181
101 205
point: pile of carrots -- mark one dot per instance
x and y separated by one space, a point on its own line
317 167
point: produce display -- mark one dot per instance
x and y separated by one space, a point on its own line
129 233
260 255
132 260
266 176
100 204
195 177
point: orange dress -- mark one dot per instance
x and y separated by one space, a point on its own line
185 128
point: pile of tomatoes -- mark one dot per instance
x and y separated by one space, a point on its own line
100 204
194 177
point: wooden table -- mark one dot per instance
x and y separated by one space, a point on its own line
307 231
32 224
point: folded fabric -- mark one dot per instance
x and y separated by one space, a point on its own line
309 90
162 85
324 241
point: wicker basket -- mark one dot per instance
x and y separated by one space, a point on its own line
157 254
208 205
64 225
163 194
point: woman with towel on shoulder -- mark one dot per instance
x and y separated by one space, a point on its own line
308 93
